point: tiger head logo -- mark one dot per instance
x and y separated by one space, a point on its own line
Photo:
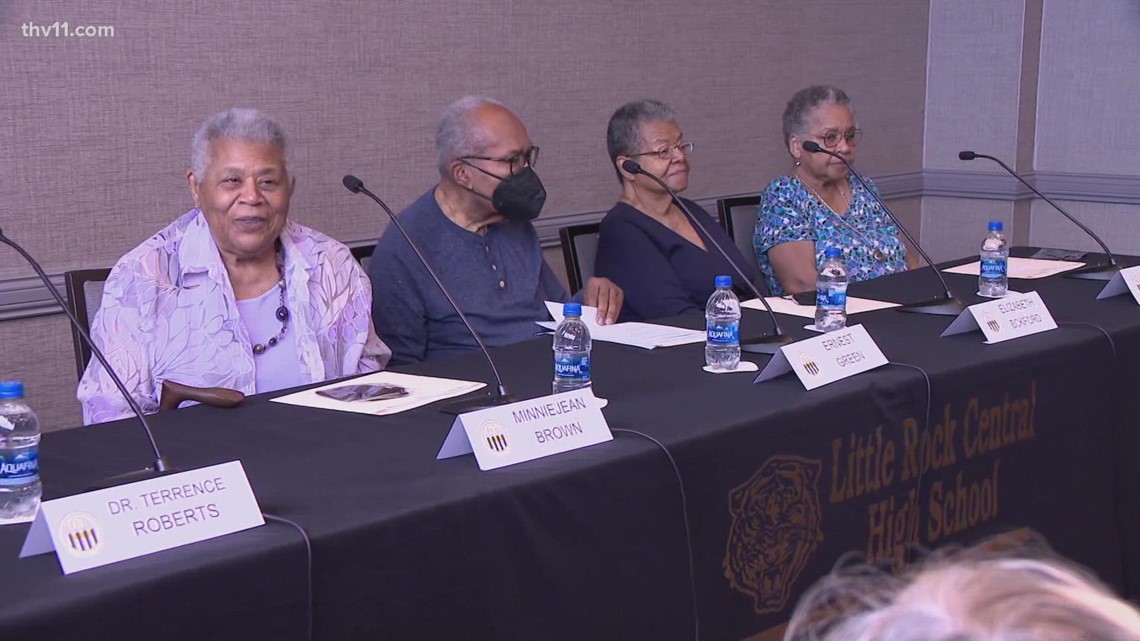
776 526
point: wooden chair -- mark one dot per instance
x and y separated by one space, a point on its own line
84 295
738 215
363 253
579 247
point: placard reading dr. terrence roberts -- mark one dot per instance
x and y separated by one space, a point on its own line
96 528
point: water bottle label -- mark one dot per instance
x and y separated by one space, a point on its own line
21 468
723 333
831 297
993 269
575 368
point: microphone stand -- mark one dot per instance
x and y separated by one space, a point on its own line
501 397
767 344
947 304
1091 272
161 463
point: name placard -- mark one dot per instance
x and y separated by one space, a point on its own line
1125 280
526 430
825 359
1006 318
118 523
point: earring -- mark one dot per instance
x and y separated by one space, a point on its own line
797 162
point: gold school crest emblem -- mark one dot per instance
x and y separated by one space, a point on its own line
81 531
496 437
990 322
810 366
776 526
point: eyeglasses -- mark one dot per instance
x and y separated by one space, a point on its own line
528 158
665 153
830 139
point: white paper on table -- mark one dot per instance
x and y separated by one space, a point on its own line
1024 268
782 305
421 391
643 335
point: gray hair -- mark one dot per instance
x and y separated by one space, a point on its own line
801 105
623 135
234 124
969 596
458 134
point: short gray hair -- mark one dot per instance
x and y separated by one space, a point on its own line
972 595
623 135
458 134
234 124
807 99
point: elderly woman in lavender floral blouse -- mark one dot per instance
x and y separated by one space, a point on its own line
232 294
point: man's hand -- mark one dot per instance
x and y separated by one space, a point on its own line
606 296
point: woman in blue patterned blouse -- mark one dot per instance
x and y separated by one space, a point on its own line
819 205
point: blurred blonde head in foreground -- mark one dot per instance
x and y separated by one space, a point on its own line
977 594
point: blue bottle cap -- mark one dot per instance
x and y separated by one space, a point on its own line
572 309
831 252
995 225
723 281
11 389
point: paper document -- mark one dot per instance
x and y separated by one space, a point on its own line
786 306
391 393
644 335
1026 268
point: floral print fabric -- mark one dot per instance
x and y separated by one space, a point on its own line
789 211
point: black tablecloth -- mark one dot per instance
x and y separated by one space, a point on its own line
779 482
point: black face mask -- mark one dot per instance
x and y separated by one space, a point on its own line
519 197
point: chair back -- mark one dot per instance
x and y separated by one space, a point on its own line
579 247
363 254
84 295
738 215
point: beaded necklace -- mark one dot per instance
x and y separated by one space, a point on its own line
282 313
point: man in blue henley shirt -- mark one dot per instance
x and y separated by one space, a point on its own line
474 229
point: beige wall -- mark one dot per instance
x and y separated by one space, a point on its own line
974 70
1088 93
1049 86
38 351
95 131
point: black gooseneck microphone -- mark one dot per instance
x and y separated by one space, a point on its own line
161 464
947 304
1096 272
763 345
502 397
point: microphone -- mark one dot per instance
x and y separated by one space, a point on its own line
161 464
356 186
947 304
763 345
1102 272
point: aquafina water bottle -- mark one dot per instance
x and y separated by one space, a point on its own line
571 351
722 324
992 274
20 486
831 292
